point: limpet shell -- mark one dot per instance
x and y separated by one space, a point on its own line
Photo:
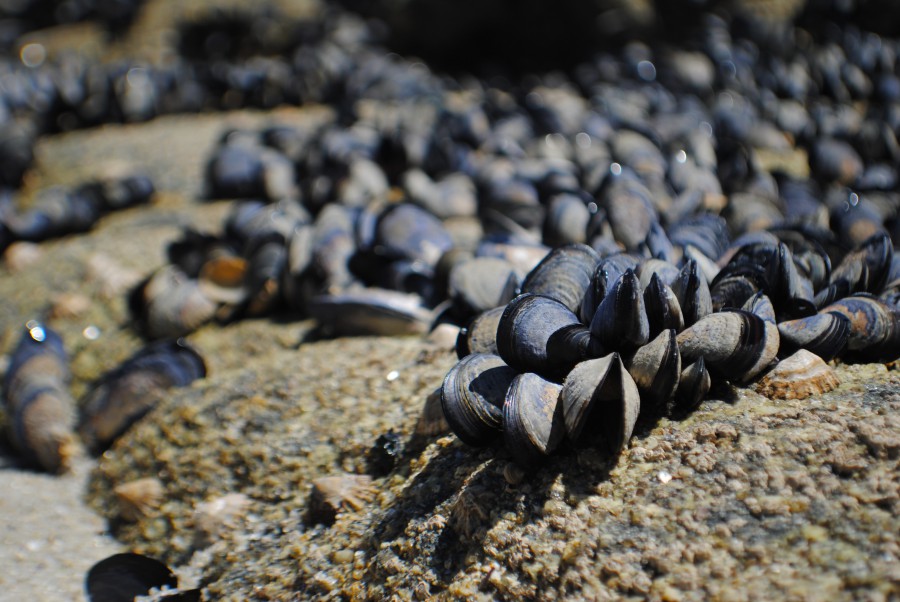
797 377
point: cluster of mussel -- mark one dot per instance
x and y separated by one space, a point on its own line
59 210
42 417
594 346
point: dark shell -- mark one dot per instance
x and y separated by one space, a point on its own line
620 322
692 292
40 411
540 334
656 368
874 329
472 397
532 418
629 208
567 220
480 336
126 394
605 276
834 161
663 310
601 404
693 385
124 577
564 274
406 231
734 343
824 334
370 311
168 304
481 283
866 268
732 291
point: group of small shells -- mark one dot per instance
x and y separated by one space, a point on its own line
593 346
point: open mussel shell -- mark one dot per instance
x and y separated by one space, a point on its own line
564 274
874 328
125 577
620 322
480 336
539 334
370 311
472 397
601 404
124 395
693 385
532 418
824 334
656 368
734 343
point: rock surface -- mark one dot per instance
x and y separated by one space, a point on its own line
748 497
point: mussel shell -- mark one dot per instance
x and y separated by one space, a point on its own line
481 283
693 385
40 411
620 322
370 311
539 334
732 291
480 336
866 268
168 304
874 328
472 397
656 368
604 278
406 231
567 220
532 418
663 310
127 393
734 343
564 274
692 292
824 334
127 576
601 404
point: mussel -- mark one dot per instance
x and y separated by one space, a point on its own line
40 410
473 395
532 418
124 395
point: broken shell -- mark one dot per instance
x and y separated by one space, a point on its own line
214 517
333 494
139 498
600 404
472 397
797 377
532 418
